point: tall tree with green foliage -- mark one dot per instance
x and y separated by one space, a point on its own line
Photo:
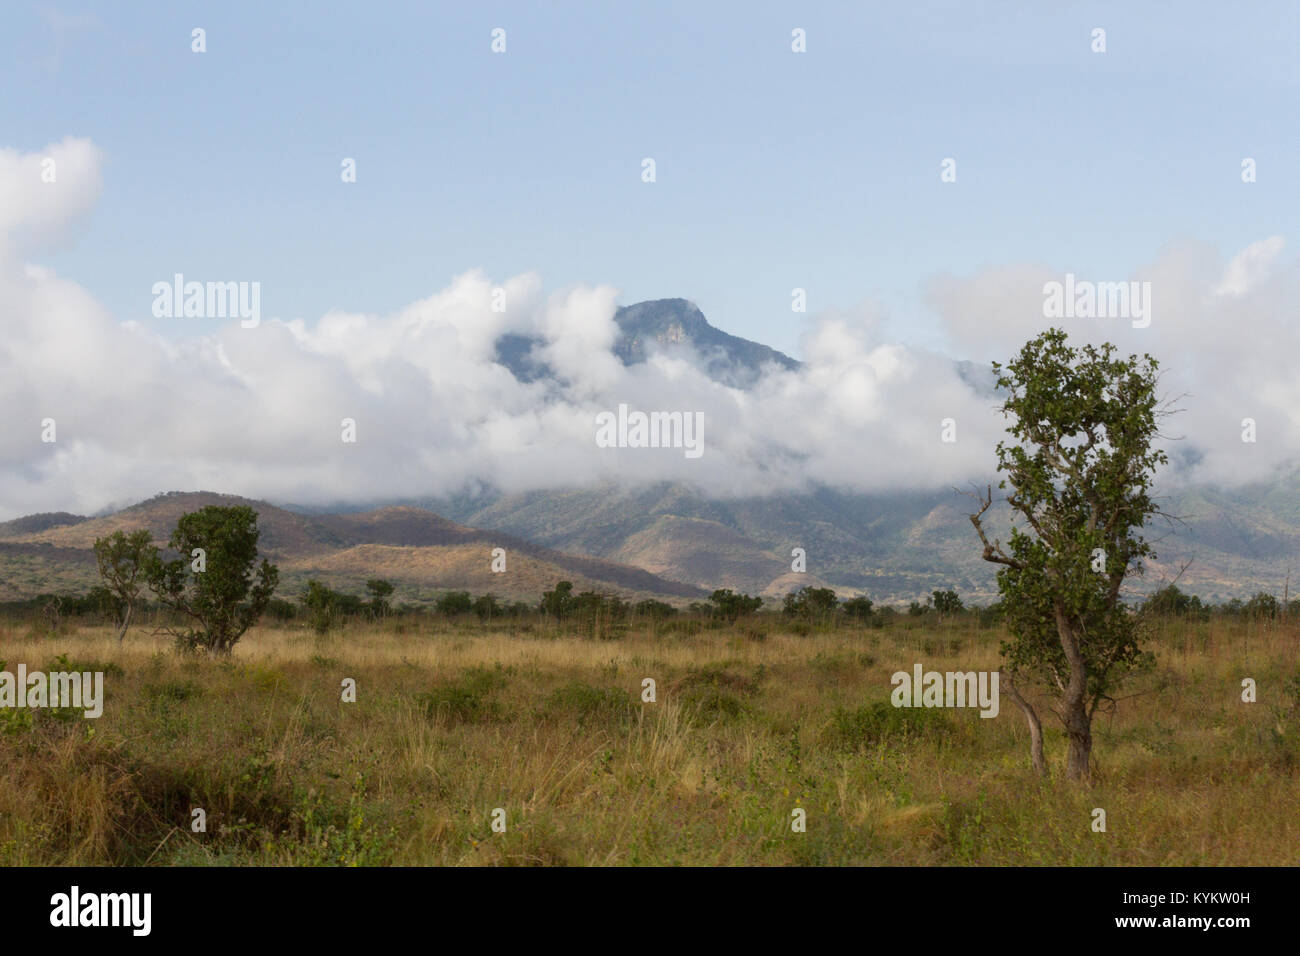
215 582
858 608
946 603
1170 601
380 591
486 606
729 606
453 603
819 604
1080 468
123 559
322 604
559 602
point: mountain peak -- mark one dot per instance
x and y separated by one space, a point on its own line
662 313
667 324
657 325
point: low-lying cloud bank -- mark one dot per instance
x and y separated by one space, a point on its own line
258 411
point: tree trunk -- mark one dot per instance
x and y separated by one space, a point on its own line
1078 731
1035 726
126 622
1074 709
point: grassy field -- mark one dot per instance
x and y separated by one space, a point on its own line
751 721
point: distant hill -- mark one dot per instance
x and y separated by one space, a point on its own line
419 551
894 547
669 540
660 325
40 522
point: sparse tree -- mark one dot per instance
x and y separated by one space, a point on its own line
1170 601
1262 607
322 604
729 606
818 604
1080 470
946 603
1232 608
454 602
380 591
654 610
228 595
123 559
601 615
559 602
858 608
487 607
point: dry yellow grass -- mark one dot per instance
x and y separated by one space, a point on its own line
454 721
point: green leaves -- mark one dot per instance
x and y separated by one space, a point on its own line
812 603
1078 464
224 595
123 561
729 606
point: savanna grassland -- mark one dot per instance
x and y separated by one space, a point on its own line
752 720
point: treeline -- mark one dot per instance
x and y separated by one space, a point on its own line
1169 601
98 602
323 608
603 615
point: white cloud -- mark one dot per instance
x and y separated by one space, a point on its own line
42 194
1224 333
1250 266
257 411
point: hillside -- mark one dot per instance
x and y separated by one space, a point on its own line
670 540
419 551
893 547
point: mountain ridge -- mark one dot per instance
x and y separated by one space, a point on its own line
659 325
667 538
439 554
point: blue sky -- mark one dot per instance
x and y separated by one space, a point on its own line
775 169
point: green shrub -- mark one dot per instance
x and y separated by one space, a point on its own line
713 703
655 610
454 602
882 723
715 692
587 704
339 836
465 700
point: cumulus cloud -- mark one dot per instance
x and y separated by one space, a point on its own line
43 194
258 411
1225 334
1250 266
